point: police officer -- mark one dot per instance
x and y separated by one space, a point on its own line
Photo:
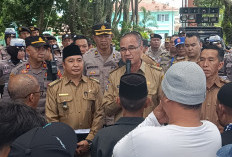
24 32
131 49
66 40
36 65
100 61
16 50
76 100
9 34
34 31
155 51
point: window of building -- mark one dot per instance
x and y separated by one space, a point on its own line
163 17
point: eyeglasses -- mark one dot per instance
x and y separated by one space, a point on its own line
130 49
41 93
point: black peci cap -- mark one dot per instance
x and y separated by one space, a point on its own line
71 50
224 95
133 86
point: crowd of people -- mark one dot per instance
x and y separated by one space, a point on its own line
148 99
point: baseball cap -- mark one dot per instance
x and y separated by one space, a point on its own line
22 29
54 139
33 28
66 36
185 83
179 41
100 29
35 41
155 36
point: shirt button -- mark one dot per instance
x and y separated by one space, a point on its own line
207 118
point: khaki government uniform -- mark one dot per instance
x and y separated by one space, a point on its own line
96 67
40 74
78 106
153 76
208 110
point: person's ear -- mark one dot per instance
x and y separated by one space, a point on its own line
118 101
148 102
221 64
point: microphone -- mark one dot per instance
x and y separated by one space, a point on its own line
128 66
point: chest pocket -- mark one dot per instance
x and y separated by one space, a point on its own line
89 99
93 72
65 104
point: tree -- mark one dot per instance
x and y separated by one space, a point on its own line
147 17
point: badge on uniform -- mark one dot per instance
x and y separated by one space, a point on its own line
92 72
65 106
96 52
24 71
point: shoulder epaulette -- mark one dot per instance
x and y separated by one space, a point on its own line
54 82
156 67
91 78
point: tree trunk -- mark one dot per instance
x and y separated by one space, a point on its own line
137 12
41 18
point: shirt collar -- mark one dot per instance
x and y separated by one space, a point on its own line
68 80
129 120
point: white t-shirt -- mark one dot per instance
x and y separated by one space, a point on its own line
169 141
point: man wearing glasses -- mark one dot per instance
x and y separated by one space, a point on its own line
35 66
25 88
131 49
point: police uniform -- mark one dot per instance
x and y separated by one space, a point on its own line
153 76
156 55
6 67
40 74
78 106
96 67
228 66
208 109
94 64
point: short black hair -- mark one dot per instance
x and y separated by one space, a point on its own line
132 105
15 120
189 35
219 50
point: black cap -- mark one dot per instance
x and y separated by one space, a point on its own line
133 86
50 37
23 29
33 28
55 139
224 95
35 41
71 50
66 36
100 29
155 36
